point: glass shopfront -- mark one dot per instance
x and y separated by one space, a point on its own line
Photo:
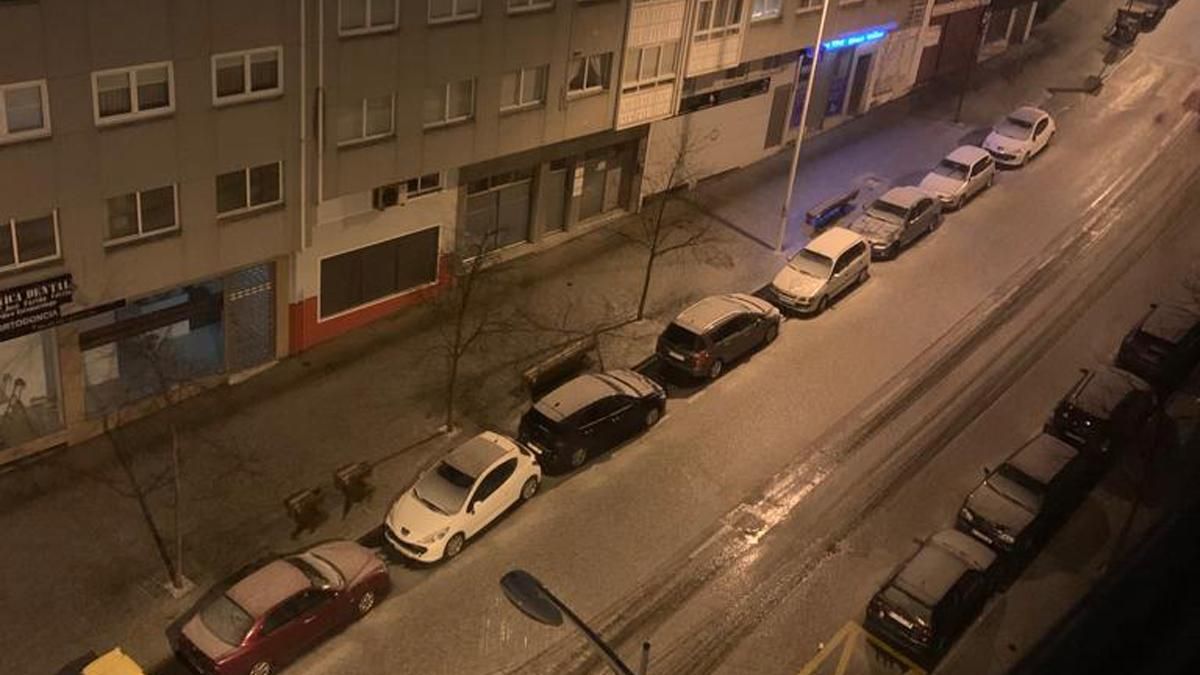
30 404
150 345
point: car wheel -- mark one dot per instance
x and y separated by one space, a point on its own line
822 304
715 370
578 457
454 546
863 276
652 417
937 221
771 333
530 488
366 602
991 179
260 668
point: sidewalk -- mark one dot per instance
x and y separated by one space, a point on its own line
80 567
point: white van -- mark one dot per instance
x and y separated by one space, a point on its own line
830 264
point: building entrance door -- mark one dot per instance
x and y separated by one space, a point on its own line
862 70
250 317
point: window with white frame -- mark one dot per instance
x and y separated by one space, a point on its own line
247 75
649 66
24 111
589 74
452 10
356 17
523 88
249 189
423 185
766 9
123 94
367 120
142 213
28 241
517 6
449 103
808 5
717 18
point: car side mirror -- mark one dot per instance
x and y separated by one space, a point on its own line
471 507
988 471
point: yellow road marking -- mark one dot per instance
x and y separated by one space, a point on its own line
850 640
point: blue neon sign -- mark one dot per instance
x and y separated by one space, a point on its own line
855 39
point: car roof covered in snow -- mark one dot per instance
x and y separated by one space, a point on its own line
967 154
705 314
588 388
1042 458
940 563
905 196
1170 322
833 242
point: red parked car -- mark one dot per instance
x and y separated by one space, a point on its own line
280 610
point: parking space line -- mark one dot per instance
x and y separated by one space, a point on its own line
851 640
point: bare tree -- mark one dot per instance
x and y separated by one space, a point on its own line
164 373
667 224
463 324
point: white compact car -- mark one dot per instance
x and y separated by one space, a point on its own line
1024 133
960 176
460 495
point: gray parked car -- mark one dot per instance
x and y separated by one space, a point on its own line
897 219
717 331
934 596
1017 506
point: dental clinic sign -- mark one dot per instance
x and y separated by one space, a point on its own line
33 307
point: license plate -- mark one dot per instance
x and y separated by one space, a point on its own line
901 620
982 536
676 356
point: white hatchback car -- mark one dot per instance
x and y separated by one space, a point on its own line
960 176
1024 133
451 502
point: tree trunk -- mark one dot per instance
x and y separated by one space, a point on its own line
450 386
177 577
641 312
652 254
159 544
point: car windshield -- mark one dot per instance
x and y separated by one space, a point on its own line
1020 478
811 263
1015 128
682 337
951 169
444 489
226 620
885 210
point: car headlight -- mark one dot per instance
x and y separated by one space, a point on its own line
967 515
435 536
1005 537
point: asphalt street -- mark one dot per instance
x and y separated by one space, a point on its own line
765 508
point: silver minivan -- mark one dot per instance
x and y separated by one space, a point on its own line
829 265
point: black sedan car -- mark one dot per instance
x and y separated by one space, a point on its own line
589 415
934 596
714 332
1106 409
1017 505
1163 347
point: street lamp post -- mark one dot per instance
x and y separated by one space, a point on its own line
534 600
808 91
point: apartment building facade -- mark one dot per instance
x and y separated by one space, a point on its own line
147 202
446 125
192 190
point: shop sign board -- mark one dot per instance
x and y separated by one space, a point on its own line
31 307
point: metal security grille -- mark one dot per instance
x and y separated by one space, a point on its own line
250 317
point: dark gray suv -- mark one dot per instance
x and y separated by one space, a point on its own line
715 332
